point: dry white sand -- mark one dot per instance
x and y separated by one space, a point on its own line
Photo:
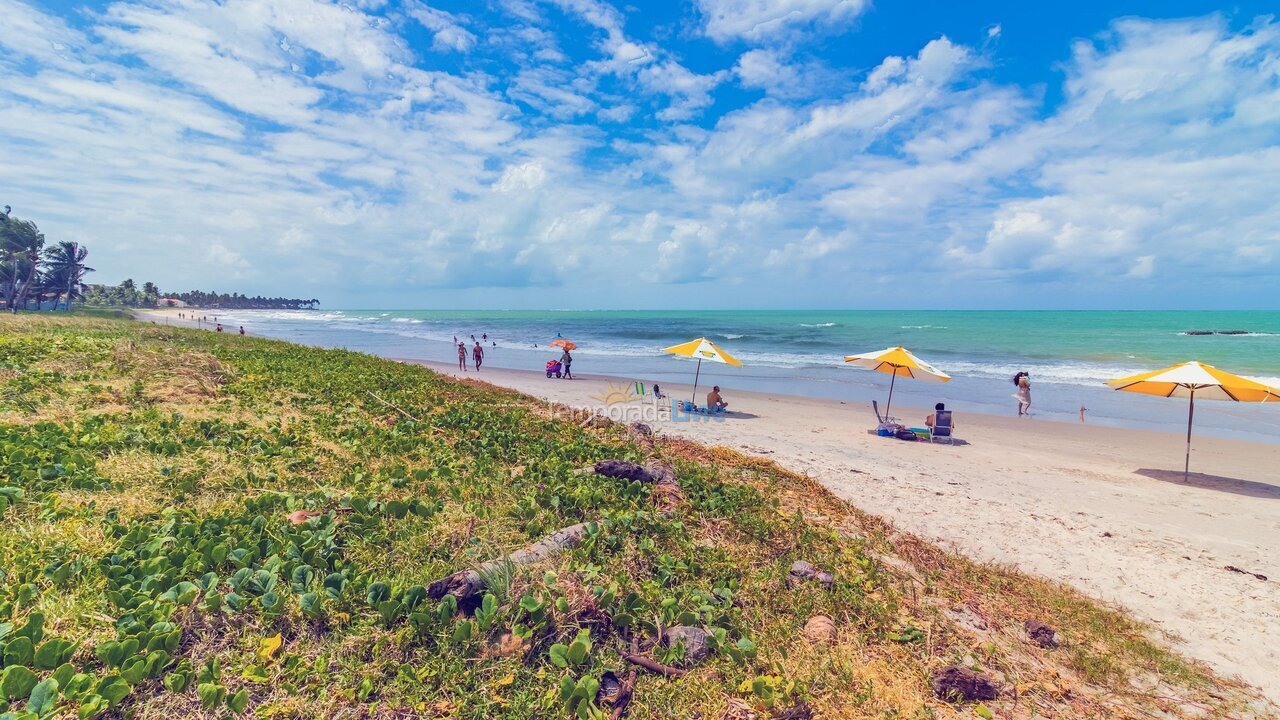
1103 509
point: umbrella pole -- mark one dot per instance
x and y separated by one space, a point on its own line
695 382
889 404
1191 413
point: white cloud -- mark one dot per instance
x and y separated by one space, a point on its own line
278 142
756 20
784 77
448 28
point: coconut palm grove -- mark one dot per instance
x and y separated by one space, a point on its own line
37 274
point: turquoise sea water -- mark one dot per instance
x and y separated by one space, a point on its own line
1068 354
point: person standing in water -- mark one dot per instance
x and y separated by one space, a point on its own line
462 357
1023 382
477 355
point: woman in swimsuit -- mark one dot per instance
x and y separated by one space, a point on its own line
1023 395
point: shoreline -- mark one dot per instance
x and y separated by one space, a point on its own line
968 392
1102 509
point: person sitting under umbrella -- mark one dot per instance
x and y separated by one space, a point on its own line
714 401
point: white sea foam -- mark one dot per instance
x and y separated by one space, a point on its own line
818 325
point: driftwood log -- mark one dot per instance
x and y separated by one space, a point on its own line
668 493
469 583
653 665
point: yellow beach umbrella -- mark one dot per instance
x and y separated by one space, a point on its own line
702 349
1195 379
897 361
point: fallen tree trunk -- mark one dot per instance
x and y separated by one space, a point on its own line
469 583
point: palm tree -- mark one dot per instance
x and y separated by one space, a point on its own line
67 269
20 240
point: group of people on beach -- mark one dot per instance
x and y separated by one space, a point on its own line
477 355
477 351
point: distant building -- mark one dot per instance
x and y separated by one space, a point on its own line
172 302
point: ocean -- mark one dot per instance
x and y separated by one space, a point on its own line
1068 354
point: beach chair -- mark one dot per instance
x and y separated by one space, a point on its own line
883 420
941 427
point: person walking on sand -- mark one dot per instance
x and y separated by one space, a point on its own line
566 360
1023 382
242 331
462 357
477 355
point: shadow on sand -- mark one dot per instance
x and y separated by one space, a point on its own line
1251 488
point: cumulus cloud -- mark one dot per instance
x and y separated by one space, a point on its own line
756 20
450 34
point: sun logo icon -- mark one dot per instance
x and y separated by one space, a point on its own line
616 394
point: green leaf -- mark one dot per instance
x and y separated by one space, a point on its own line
63 674
580 647
33 630
312 605
389 610
109 653
43 697
134 669
211 695
114 689
92 707
462 631
377 592
238 702
177 682
302 577
334 584
17 682
983 711
414 596
559 655
19 651
53 653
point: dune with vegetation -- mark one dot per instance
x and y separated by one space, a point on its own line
196 524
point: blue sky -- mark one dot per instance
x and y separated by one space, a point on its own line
715 153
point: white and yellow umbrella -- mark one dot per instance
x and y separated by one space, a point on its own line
1195 379
897 361
702 349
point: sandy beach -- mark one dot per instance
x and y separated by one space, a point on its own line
1103 509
